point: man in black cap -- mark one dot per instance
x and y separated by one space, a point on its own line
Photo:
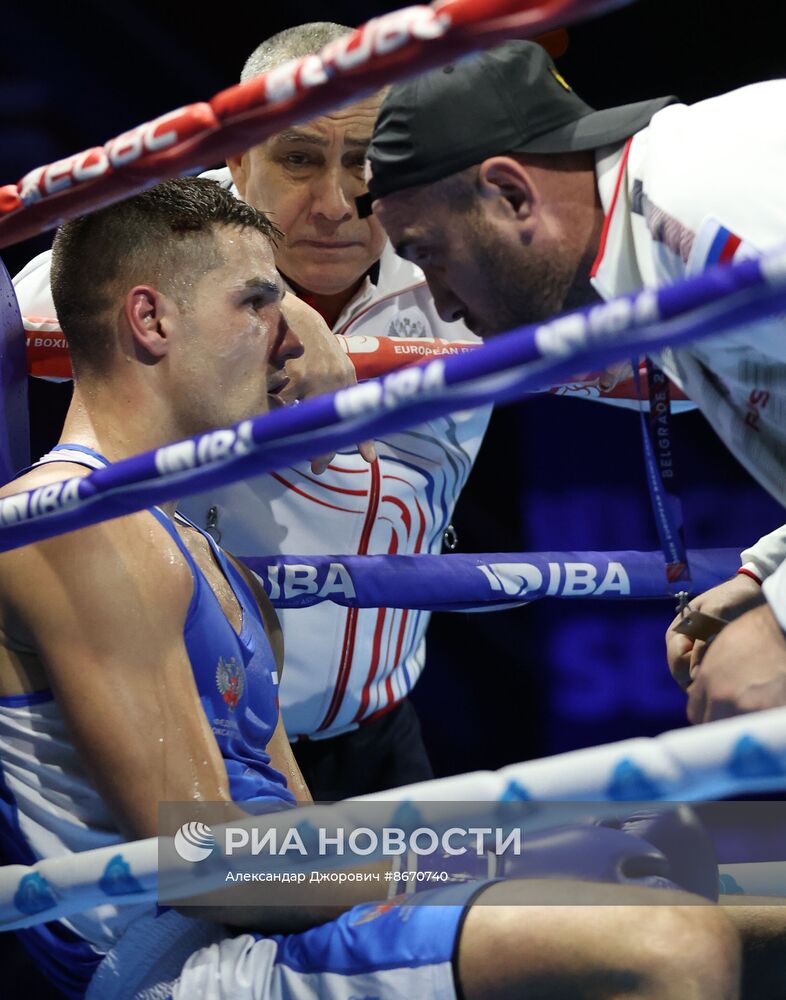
520 201
502 150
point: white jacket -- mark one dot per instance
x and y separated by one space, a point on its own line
700 185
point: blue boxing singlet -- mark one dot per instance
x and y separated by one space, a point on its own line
48 805
235 674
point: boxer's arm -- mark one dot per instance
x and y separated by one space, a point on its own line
599 942
104 607
283 760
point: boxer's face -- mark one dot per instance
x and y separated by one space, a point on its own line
235 339
306 179
483 264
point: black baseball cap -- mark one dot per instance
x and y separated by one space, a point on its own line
511 99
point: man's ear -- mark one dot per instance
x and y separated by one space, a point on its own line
239 167
502 177
147 313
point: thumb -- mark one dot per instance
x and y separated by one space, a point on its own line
368 451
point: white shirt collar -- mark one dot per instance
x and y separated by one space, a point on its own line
615 271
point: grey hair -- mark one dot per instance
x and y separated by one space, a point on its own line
292 43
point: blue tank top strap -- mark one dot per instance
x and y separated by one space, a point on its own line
71 452
168 524
235 579
83 448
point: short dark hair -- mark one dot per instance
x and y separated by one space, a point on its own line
162 237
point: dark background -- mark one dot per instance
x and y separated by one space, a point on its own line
553 473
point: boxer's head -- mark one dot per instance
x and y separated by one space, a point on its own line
175 290
308 176
483 173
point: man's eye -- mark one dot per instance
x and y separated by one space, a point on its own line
257 302
297 159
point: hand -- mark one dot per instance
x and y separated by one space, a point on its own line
323 367
728 600
744 669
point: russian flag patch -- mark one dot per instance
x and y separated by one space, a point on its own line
714 244
723 247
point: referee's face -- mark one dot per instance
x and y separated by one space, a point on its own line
306 179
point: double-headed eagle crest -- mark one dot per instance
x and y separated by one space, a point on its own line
230 681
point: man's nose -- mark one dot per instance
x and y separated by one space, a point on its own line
331 200
449 307
288 345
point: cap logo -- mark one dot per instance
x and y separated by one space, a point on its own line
560 79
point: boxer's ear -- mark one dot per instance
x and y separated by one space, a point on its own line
505 179
146 311
239 167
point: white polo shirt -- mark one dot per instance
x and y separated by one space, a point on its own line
701 185
344 665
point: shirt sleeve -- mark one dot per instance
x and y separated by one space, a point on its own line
32 288
774 589
765 556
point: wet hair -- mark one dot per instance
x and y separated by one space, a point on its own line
163 237
292 43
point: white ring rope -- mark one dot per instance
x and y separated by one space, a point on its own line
735 756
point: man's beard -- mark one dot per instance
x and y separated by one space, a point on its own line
526 286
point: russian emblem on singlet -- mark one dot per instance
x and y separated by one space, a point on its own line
372 911
230 681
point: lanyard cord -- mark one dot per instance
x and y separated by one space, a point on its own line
656 432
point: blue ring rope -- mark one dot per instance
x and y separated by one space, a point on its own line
506 368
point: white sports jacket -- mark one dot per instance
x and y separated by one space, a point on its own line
702 185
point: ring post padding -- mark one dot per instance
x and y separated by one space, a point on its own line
14 427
